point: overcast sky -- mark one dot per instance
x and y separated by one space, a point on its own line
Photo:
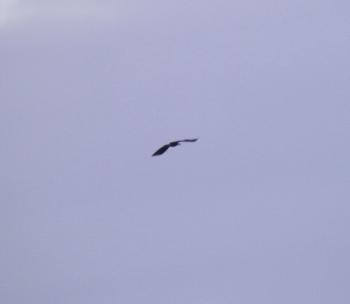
257 211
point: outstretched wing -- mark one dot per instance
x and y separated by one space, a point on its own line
161 150
189 140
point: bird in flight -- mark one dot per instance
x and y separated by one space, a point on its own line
172 144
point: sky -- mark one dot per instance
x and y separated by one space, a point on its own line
256 211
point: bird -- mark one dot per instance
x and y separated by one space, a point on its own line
172 144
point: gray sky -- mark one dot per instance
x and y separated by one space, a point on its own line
257 211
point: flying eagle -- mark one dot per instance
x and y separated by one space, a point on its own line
161 150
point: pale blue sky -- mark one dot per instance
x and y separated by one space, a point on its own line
257 211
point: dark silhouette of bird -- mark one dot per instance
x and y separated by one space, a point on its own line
172 144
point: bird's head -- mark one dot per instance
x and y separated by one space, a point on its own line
174 144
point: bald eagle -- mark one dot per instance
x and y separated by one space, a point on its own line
172 144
